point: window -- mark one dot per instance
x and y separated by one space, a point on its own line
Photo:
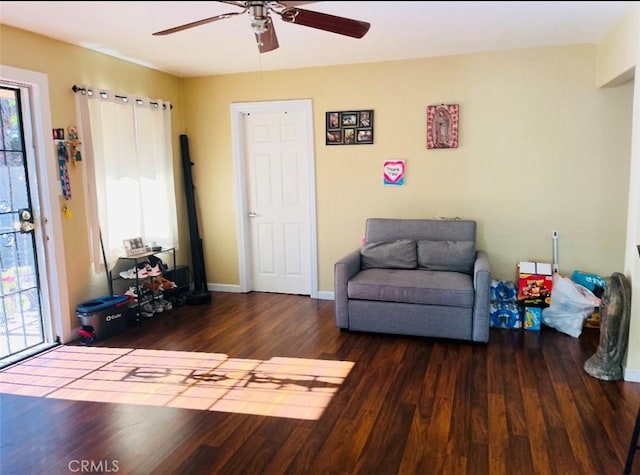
129 184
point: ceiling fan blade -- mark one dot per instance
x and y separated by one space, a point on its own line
295 4
267 41
326 22
193 24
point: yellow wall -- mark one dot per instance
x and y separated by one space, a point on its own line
541 149
65 66
618 51
621 49
632 264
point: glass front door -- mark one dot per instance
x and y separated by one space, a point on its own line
21 322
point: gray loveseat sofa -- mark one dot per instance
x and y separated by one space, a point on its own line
421 277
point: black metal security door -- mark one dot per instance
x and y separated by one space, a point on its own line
21 324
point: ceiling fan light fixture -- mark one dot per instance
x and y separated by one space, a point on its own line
260 26
259 13
267 40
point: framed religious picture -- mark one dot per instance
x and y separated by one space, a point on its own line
349 127
442 126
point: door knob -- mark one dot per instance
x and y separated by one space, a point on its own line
252 214
26 220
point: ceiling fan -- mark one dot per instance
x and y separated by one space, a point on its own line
261 21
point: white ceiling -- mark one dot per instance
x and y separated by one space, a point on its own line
399 30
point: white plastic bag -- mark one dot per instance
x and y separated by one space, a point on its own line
571 303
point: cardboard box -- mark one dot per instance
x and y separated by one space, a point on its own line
532 318
535 282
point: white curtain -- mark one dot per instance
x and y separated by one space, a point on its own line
128 164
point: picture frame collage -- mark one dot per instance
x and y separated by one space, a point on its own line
349 127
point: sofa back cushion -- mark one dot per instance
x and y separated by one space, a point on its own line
453 256
390 229
398 254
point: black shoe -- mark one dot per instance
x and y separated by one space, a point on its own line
153 260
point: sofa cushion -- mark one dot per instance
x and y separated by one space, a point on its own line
453 256
400 254
424 287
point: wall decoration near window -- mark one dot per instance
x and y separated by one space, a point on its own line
442 126
134 247
393 172
349 127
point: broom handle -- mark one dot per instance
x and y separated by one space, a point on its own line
106 266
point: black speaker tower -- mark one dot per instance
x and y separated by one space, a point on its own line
200 294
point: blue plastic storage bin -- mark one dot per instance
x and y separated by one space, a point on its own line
104 317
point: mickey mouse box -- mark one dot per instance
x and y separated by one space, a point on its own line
535 281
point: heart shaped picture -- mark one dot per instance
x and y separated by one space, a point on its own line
393 172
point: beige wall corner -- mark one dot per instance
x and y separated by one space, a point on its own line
616 55
632 257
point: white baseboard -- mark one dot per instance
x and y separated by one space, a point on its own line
224 288
632 375
325 295
322 295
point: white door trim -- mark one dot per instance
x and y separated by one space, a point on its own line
56 303
240 179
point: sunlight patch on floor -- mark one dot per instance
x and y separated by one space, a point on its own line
297 388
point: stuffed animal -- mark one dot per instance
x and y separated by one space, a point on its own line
154 285
166 283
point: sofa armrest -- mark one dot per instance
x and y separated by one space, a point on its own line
482 287
344 270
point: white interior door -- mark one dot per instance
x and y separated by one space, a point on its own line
278 210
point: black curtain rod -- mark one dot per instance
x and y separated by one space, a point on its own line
139 101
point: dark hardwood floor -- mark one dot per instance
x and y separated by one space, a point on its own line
522 404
